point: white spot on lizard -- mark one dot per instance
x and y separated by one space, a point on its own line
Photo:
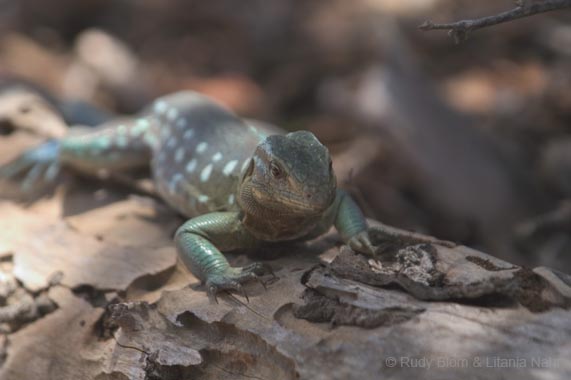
200 148
165 133
174 181
181 123
160 106
191 165
205 173
179 155
139 128
172 114
188 134
229 167
217 157
122 141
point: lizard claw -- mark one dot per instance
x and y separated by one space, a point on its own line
253 276
213 289
261 283
233 278
241 289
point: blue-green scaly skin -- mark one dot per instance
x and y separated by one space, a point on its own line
241 185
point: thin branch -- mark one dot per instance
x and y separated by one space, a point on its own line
460 30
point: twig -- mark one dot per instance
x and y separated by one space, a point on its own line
460 30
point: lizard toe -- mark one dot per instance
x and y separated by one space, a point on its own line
258 269
233 278
229 282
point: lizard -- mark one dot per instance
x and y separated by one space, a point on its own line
241 184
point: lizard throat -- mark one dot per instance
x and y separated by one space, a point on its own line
272 224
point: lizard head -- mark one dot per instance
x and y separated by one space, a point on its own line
289 174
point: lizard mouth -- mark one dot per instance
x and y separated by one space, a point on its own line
306 204
286 202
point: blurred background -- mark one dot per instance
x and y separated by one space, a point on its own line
468 142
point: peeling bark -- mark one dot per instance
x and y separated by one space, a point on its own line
331 314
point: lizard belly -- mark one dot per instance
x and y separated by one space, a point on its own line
199 154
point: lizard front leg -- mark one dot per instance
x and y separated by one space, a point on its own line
200 241
352 225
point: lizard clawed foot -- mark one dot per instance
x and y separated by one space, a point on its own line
233 278
361 243
38 165
256 270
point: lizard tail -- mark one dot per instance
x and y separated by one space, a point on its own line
35 168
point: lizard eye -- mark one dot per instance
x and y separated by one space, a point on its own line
330 166
275 170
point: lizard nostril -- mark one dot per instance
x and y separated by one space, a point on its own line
308 195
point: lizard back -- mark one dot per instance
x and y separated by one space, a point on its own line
198 152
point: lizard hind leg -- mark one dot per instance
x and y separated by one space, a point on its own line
35 168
